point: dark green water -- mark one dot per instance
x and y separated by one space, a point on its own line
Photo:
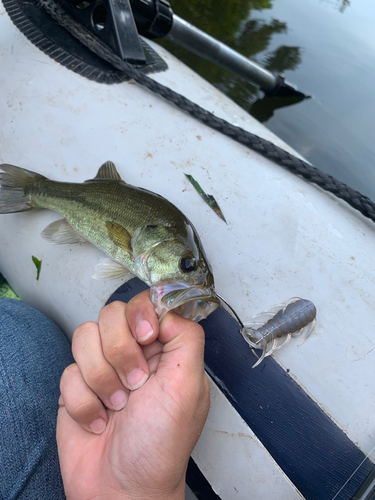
327 49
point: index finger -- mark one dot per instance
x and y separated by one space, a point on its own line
120 348
142 318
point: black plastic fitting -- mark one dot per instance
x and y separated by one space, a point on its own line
153 18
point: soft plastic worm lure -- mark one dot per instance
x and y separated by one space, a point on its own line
288 320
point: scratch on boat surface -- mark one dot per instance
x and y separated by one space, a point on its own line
356 352
235 434
220 383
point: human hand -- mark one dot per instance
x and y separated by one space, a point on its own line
140 451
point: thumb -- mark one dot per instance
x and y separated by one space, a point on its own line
183 347
181 369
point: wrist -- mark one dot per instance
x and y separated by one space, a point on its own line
177 494
152 496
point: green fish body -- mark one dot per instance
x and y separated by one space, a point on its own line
143 233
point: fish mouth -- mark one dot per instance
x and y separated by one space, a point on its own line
193 302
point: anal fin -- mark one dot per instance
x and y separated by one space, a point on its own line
61 232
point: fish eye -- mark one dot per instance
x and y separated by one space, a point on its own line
188 264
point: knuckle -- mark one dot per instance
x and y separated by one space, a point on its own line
194 329
82 409
140 301
198 329
69 372
113 352
82 338
101 377
140 312
85 329
112 310
140 307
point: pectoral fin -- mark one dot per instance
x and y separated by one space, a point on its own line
119 235
61 232
111 270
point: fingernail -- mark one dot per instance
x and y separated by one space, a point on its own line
98 426
136 379
143 330
118 399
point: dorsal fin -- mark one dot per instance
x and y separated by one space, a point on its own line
108 171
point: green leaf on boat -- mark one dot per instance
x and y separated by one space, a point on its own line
208 198
38 265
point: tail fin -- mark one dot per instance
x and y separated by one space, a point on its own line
14 196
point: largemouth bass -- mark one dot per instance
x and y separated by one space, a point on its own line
143 234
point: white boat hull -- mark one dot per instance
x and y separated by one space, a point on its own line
284 237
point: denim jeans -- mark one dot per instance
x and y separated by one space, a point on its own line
33 354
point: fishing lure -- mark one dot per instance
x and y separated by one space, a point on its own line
290 320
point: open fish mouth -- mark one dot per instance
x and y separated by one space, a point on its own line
193 302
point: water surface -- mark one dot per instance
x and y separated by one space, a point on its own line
326 48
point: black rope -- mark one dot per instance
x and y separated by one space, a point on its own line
266 148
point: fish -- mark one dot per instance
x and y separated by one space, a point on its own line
141 233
